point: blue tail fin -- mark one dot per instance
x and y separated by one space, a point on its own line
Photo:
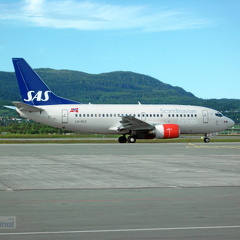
33 90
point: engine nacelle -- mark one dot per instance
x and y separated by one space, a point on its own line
167 131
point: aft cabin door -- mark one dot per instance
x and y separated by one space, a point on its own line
205 116
64 116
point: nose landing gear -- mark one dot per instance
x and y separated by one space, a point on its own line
206 138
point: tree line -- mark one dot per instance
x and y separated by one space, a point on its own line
30 128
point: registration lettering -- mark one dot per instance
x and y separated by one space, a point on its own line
81 121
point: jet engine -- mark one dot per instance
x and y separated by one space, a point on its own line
167 131
160 131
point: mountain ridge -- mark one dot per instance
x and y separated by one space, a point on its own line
118 87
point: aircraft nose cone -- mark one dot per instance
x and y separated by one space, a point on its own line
230 122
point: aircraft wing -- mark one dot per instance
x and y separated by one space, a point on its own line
26 107
132 123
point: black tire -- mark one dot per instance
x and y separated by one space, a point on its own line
206 140
131 139
122 139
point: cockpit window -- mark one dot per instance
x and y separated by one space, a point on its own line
218 114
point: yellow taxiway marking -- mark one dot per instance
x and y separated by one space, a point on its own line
191 145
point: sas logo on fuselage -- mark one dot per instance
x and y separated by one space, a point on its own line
39 96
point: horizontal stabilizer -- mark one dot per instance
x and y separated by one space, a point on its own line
26 107
10 107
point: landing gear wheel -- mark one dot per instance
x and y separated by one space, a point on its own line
131 139
206 140
122 139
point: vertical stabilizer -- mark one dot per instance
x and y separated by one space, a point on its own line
33 89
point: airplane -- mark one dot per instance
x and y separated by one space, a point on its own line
131 121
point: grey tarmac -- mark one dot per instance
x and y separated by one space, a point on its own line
121 191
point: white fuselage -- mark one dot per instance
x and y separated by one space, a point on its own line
105 119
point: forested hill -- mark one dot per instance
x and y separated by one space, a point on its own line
113 87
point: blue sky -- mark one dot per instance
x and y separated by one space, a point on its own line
187 43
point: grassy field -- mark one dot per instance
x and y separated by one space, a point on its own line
55 138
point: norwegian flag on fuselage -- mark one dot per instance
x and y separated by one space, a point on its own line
74 110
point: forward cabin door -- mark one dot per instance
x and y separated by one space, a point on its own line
64 116
205 116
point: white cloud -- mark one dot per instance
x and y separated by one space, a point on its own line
88 15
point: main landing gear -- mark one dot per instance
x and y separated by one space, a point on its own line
132 139
206 138
124 139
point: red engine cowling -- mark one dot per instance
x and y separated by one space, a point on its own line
167 131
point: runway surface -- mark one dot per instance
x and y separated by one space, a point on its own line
120 191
